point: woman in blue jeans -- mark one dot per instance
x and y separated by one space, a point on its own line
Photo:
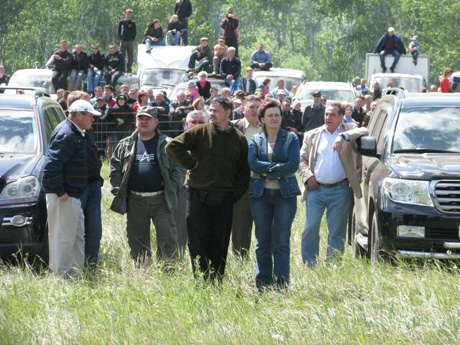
273 158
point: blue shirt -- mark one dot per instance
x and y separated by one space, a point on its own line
263 57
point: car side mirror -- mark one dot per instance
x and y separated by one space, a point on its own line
367 146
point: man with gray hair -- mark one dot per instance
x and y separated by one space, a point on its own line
230 69
179 110
65 180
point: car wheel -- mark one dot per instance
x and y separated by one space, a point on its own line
376 253
356 250
44 255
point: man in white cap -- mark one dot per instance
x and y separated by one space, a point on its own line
65 179
392 44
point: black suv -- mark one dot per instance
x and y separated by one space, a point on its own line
26 124
410 179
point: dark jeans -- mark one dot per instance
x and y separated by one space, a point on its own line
267 66
209 224
180 215
242 226
140 211
200 67
112 78
393 52
232 42
184 35
273 217
91 206
127 47
59 80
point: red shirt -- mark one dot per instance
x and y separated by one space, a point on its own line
445 84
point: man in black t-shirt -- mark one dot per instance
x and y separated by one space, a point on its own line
62 59
127 34
150 188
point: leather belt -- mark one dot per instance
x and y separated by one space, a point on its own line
146 194
329 185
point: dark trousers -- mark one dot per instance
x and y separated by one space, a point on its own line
209 224
91 206
202 66
242 226
232 42
393 52
267 66
127 47
180 215
184 35
112 78
59 79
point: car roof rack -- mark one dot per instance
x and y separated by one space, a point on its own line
38 91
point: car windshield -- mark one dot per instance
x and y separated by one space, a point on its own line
288 81
428 130
18 132
162 77
409 84
336 95
30 81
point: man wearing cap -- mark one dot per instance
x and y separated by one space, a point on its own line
392 44
216 155
313 116
154 35
65 179
203 54
220 51
127 34
145 183
260 59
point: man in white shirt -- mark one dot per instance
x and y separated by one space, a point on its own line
327 168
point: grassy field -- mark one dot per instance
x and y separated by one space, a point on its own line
347 302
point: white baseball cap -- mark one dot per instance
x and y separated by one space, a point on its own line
83 106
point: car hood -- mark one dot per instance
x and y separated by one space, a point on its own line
13 166
425 166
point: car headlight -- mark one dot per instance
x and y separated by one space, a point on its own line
408 191
26 189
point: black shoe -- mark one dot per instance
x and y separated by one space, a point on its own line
148 50
384 70
415 62
392 69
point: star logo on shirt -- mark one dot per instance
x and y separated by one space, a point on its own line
145 157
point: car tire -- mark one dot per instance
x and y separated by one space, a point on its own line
376 253
356 250
44 255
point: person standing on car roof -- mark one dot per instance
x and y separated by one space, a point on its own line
127 35
62 59
184 10
230 24
65 179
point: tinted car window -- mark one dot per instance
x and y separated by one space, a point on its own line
51 121
18 132
428 129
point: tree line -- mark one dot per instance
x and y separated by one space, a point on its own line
328 39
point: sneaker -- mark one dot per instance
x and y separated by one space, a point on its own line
384 69
148 50
415 62
392 69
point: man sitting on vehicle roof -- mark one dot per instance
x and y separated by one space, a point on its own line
220 51
392 44
260 59
230 69
203 54
154 35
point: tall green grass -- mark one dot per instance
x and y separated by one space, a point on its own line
346 302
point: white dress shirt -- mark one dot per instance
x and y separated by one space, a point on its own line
328 167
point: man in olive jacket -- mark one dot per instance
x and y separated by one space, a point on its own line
145 183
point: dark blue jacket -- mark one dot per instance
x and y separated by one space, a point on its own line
252 86
398 44
66 162
286 151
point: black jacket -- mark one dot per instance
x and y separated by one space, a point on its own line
115 61
174 25
313 117
96 60
230 67
79 61
205 91
62 64
126 30
252 86
152 32
183 9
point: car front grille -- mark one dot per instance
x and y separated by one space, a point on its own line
447 196
442 234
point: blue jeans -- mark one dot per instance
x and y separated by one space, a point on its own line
394 52
93 79
91 206
336 199
233 84
77 77
173 39
149 44
273 216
